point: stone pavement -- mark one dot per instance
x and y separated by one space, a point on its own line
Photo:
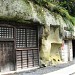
61 69
70 70
72 73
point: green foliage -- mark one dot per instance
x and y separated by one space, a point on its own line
55 8
68 5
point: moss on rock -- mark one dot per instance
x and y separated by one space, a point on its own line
18 10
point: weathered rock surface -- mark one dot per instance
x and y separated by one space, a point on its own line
26 11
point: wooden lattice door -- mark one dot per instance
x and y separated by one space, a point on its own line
19 47
27 51
6 56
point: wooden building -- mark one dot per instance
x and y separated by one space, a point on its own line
19 47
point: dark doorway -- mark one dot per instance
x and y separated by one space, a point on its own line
73 46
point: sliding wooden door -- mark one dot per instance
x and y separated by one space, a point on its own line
6 56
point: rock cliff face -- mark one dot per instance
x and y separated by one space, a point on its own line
27 11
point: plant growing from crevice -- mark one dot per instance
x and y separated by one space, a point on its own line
55 8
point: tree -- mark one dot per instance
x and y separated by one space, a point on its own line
68 5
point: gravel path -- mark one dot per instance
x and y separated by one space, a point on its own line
45 70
